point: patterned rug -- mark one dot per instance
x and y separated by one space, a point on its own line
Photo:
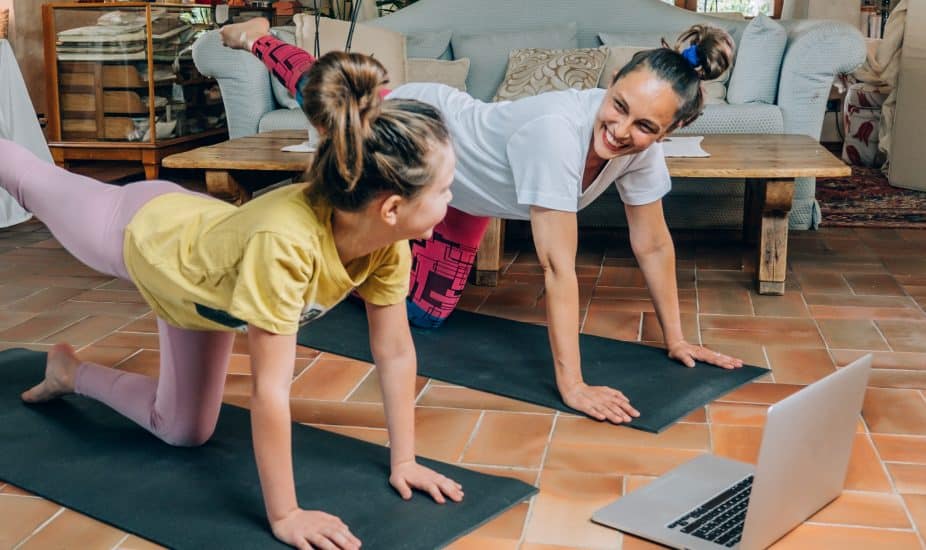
866 199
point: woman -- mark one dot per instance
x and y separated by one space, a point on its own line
542 159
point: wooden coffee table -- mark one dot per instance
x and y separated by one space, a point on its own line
768 162
227 163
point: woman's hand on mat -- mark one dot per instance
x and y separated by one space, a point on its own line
307 529
411 475
600 402
687 354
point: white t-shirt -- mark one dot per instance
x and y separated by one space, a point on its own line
512 155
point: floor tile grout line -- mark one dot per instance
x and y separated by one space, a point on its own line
121 541
857 526
768 361
874 323
472 436
103 337
424 390
543 463
39 528
357 384
50 334
893 485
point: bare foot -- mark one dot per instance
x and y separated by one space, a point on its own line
241 36
59 375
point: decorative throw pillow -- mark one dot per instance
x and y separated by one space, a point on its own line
429 44
488 53
758 62
387 46
618 56
535 70
452 73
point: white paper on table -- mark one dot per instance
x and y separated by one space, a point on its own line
687 146
304 147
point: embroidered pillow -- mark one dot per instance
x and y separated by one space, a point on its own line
535 70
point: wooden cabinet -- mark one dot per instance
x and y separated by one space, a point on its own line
121 83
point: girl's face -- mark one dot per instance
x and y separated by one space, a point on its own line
429 206
637 110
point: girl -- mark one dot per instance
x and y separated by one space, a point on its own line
542 159
382 175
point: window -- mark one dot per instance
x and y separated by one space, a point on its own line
749 8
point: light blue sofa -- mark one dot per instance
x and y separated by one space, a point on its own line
816 51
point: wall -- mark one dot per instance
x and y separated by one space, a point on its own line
839 10
908 165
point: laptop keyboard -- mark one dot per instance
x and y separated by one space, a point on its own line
720 519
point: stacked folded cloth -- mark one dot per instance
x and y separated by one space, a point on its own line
120 35
4 22
285 7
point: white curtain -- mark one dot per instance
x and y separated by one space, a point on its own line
17 123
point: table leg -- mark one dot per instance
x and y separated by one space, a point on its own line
489 256
223 185
152 163
775 197
752 211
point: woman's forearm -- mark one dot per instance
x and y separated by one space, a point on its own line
658 266
562 304
271 431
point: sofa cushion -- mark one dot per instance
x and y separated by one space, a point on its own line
758 62
536 70
451 73
429 44
488 53
283 119
715 91
385 45
752 118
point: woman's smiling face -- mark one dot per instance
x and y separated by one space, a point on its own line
638 109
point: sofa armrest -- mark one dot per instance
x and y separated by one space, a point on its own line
243 79
816 52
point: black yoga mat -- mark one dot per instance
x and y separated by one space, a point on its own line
83 455
513 359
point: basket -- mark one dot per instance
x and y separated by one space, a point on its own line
4 22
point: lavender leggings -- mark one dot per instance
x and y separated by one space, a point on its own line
88 218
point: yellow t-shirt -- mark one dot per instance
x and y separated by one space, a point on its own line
204 264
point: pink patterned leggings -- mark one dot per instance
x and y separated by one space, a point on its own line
88 218
440 265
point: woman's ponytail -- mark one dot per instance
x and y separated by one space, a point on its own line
700 53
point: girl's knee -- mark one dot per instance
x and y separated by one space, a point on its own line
194 437
182 433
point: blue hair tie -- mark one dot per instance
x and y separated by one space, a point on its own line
691 56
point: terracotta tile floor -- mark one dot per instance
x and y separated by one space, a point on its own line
849 291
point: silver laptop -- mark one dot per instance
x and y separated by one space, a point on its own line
712 502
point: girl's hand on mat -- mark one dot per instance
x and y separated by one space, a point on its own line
687 354
600 402
411 475
307 529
